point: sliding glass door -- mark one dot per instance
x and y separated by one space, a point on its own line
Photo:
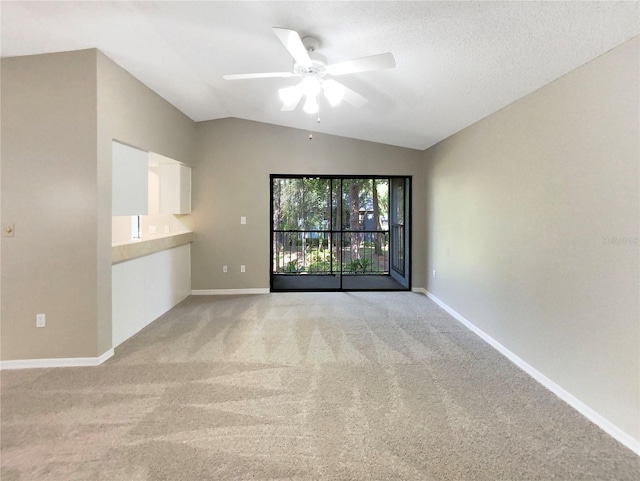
339 233
399 230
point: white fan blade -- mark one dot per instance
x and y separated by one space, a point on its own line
333 91
352 97
364 64
292 42
258 75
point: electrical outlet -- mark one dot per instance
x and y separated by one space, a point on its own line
434 273
242 268
167 229
225 268
40 320
152 229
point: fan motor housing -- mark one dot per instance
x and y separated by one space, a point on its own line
317 69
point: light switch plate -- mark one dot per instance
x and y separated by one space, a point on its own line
243 220
8 230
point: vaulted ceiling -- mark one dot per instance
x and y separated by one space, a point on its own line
457 62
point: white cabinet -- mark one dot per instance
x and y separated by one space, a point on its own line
145 288
130 180
175 188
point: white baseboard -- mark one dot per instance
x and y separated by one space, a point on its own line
570 399
56 362
419 290
229 292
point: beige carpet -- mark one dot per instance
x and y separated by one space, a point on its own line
300 386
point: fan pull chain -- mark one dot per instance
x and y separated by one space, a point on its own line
311 130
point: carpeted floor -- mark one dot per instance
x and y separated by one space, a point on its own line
300 386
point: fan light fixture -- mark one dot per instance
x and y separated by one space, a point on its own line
333 92
310 87
289 94
313 70
311 105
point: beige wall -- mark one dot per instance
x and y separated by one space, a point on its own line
131 113
60 113
231 179
533 221
49 192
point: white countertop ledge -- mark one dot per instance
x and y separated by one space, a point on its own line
125 251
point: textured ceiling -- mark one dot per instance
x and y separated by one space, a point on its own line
457 62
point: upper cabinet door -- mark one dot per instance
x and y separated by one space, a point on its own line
130 180
175 188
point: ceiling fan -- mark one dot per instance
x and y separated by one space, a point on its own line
313 70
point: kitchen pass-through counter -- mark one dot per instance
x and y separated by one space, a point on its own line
125 251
